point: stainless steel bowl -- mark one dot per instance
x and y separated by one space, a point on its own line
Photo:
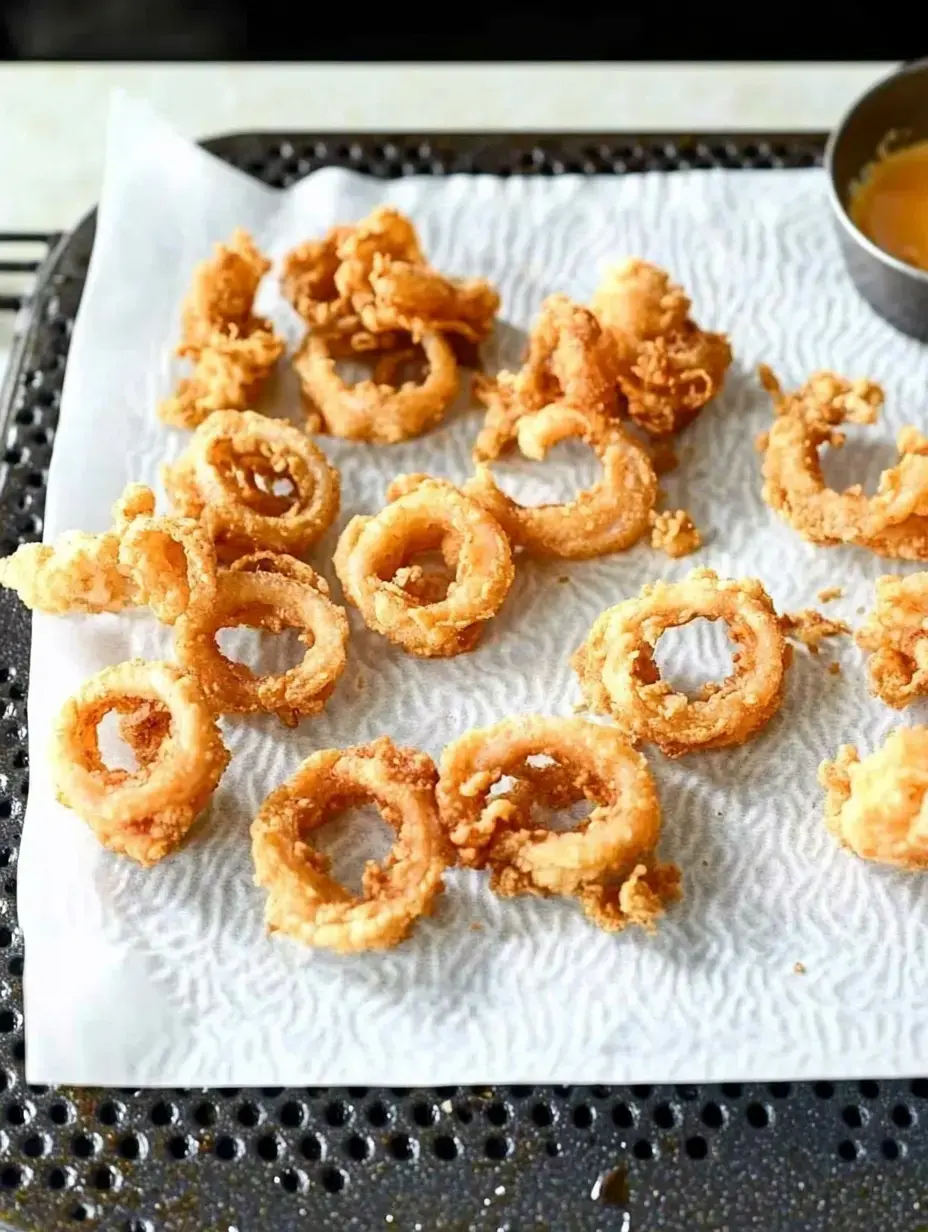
894 112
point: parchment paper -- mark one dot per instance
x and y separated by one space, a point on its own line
167 976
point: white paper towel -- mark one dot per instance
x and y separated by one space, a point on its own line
166 976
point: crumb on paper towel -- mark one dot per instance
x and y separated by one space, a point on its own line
830 593
674 533
834 668
563 579
811 628
476 927
799 968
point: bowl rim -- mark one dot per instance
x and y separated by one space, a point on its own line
837 205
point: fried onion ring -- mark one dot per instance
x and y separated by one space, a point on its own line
232 350
304 901
894 521
619 677
666 366
144 814
878 807
368 411
608 517
167 563
615 843
227 478
425 514
896 634
273 598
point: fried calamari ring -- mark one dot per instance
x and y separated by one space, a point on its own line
894 521
896 634
304 901
230 475
616 842
666 366
271 598
878 807
384 233
144 814
223 289
167 563
230 370
608 517
413 298
369 284
323 278
568 362
286 566
367 411
619 677
171 563
425 514
307 280
232 350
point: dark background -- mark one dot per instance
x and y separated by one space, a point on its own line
304 30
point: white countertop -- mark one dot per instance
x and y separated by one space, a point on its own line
51 140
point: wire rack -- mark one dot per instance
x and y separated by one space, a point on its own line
810 1157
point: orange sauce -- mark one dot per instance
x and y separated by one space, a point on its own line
890 204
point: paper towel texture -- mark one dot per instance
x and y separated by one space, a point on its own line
166 976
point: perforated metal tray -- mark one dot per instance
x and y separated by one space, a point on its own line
808 1157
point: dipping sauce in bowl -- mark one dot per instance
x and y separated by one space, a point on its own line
889 203
876 162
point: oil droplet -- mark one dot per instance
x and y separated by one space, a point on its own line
612 1187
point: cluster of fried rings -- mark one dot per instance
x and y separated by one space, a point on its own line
166 563
607 862
566 389
167 712
665 366
367 290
